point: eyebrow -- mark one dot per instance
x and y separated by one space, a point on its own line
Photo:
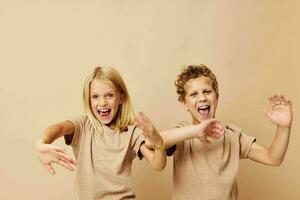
110 91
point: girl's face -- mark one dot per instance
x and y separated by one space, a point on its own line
105 101
200 99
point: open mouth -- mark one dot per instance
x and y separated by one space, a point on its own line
104 112
204 110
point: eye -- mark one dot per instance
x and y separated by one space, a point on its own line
207 91
110 96
94 96
193 94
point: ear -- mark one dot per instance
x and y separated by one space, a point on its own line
122 96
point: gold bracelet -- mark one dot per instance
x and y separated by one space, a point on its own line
161 148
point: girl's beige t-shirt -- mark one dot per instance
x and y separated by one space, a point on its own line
104 161
208 172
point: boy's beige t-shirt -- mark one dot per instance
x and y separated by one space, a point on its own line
208 172
104 161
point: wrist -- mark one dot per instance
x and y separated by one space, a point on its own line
39 142
284 127
195 131
160 147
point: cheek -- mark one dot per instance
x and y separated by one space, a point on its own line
93 103
115 104
190 105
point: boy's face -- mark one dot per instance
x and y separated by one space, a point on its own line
105 101
201 99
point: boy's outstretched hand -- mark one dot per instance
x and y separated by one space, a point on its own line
210 128
149 130
281 111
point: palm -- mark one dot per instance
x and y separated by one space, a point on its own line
281 116
45 156
149 130
281 112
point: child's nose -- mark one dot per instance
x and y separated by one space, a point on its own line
201 98
102 102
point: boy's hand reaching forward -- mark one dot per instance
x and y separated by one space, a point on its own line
209 128
281 111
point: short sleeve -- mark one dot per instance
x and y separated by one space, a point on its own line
245 141
74 138
137 140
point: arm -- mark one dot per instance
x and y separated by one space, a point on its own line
281 115
48 153
157 158
207 128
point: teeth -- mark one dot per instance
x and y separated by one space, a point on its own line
103 110
203 107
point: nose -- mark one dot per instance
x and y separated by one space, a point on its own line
102 101
202 98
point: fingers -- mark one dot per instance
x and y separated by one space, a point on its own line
66 164
143 122
217 132
50 168
62 159
141 118
66 157
216 129
278 99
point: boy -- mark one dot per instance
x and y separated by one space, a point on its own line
206 168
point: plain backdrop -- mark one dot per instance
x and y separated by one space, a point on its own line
47 47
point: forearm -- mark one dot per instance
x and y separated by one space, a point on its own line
51 133
55 131
274 154
159 159
156 158
279 145
177 135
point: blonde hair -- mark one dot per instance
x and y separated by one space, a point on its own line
191 72
125 114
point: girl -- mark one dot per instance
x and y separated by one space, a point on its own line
104 140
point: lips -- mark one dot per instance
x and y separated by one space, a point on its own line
104 112
204 110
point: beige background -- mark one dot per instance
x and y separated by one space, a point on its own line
48 47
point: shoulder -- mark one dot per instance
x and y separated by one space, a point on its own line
233 131
131 131
79 119
81 122
233 128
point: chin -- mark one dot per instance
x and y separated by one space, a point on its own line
105 122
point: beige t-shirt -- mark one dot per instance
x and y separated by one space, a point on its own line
104 161
208 172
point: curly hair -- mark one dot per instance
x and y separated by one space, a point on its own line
194 71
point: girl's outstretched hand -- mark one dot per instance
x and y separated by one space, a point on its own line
48 154
210 128
149 130
281 111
